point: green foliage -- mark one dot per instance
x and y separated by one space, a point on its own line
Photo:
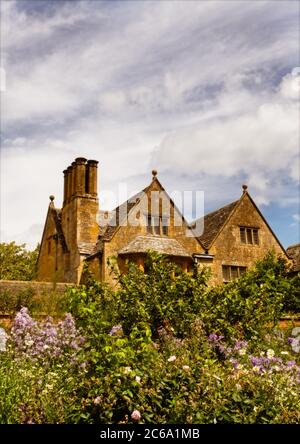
17 263
11 302
50 302
164 296
292 295
170 347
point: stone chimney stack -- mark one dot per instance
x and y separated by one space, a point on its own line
80 179
80 176
79 212
91 177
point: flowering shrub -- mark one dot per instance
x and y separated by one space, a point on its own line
44 341
160 349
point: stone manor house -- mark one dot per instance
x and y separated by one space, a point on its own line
234 236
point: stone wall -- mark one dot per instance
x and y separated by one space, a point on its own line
125 234
228 248
39 288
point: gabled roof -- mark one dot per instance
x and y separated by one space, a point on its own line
86 248
214 221
123 210
164 245
121 213
55 213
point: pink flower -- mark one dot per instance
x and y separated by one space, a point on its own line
97 400
136 415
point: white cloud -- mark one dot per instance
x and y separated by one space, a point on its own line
290 85
257 140
195 88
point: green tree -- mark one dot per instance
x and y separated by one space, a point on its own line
17 263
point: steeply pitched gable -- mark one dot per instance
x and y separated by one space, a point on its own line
216 221
123 210
54 214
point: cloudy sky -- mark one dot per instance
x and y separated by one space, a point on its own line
207 92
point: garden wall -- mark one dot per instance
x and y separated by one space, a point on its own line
39 288
42 298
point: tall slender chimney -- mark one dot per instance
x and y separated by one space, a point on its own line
80 163
73 179
69 183
91 183
65 186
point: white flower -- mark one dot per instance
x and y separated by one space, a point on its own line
136 415
270 353
127 370
296 331
215 421
256 369
138 379
172 358
276 368
284 353
29 343
186 368
242 351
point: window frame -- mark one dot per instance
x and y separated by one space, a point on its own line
249 235
239 269
157 229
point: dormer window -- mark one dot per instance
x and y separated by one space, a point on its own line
249 235
158 225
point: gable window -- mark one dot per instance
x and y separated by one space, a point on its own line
149 224
165 226
249 235
231 272
157 225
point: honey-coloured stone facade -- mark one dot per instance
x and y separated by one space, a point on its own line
74 237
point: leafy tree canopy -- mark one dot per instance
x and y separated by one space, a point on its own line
16 262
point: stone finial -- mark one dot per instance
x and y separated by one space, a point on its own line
154 174
52 197
245 188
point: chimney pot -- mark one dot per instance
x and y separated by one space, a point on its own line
80 160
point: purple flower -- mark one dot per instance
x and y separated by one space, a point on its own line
213 337
240 345
291 363
45 340
116 330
